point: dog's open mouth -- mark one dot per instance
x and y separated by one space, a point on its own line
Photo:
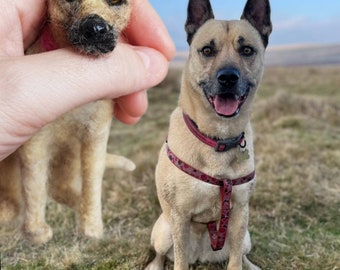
227 105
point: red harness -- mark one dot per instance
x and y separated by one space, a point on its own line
217 236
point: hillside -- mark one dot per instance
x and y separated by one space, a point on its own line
293 55
303 55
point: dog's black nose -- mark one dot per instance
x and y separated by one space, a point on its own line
228 77
94 28
93 35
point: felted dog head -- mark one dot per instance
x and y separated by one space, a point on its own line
92 26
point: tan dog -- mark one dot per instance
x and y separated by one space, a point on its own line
67 157
209 152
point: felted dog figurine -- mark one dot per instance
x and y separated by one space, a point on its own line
205 172
67 157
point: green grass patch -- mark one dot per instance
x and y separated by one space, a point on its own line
294 217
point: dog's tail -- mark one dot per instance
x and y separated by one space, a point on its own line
119 162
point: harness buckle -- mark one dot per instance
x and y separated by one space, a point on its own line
226 145
223 146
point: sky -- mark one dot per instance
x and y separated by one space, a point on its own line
294 21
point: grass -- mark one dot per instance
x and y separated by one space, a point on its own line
295 210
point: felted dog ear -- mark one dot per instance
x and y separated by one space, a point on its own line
257 13
199 11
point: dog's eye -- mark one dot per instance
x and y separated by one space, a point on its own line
208 51
247 51
115 2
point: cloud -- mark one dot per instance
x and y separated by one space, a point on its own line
289 24
306 30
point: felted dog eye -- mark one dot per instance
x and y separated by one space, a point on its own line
115 2
207 51
247 51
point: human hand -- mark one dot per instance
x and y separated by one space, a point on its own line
32 94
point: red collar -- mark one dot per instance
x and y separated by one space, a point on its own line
47 41
217 236
218 145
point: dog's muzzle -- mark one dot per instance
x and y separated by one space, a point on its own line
228 95
93 35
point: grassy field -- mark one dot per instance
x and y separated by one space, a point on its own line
295 210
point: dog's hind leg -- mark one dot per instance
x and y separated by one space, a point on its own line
10 189
93 156
249 264
161 240
65 178
246 249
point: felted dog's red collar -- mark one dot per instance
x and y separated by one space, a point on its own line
47 41
218 145
217 237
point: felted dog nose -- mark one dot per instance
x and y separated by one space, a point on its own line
93 35
94 28
228 77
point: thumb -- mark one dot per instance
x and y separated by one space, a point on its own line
49 84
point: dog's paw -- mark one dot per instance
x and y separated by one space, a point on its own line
92 230
119 162
38 234
157 263
249 265
152 266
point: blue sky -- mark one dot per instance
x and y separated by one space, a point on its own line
294 21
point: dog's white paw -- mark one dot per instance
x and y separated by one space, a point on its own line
38 234
92 230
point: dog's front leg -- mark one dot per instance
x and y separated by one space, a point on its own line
93 156
181 239
238 225
35 169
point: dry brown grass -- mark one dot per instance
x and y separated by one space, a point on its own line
294 219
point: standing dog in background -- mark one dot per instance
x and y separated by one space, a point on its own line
67 158
208 156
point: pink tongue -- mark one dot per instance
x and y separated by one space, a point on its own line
226 106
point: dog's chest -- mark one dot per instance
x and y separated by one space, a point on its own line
86 120
208 204
201 199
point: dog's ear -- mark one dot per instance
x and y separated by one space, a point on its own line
199 11
257 13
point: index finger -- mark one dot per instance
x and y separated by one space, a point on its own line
147 29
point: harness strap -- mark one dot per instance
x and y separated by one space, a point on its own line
217 235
